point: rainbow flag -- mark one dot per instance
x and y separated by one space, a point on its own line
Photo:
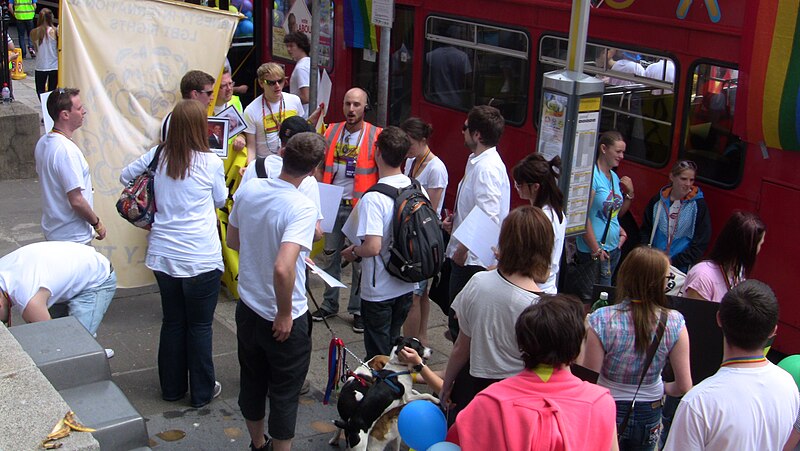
773 93
358 30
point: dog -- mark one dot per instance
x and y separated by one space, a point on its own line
370 401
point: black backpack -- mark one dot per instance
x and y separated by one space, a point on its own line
416 249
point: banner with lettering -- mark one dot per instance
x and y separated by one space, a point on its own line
127 59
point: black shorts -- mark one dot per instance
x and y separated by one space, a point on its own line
269 367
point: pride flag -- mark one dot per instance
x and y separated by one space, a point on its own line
773 92
358 30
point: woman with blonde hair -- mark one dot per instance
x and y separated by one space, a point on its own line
487 308
184 252
45 41
617 348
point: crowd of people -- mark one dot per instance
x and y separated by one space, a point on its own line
515 332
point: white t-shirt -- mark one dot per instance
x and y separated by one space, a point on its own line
628 67
736 408
184 240
374 217
62 267
486 185
433 176
487 310
260 120
269 212
559 229
62 168
273 164
301 78
347 147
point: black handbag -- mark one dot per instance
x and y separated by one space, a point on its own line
439 290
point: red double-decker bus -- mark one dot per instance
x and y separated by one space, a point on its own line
717 84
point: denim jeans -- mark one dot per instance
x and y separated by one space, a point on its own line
271 368
644 426
24 28
607 267
90 305
382 323
188 305
334 242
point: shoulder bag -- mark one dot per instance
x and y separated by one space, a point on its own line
137 203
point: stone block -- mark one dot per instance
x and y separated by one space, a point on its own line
19 132
64 351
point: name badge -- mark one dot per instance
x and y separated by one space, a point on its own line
350 168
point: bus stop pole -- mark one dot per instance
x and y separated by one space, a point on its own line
313 76
383 75
578 29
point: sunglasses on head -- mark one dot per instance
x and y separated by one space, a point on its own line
687 164
272 82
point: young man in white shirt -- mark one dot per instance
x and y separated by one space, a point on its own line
385 299
485 185
272 225
298 47
35 277
265 114
749 403
67 194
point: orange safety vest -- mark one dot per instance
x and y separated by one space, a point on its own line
366 170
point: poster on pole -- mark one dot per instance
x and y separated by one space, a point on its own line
583 150
382 13
289 16
551 130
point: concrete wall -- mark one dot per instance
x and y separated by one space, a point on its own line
19 131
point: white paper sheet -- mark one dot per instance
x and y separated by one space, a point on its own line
327 278
323 96
350 228
479 234
48 121
330 196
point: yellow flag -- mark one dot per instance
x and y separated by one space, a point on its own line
127 59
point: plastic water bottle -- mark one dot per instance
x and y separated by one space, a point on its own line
6 93
602 302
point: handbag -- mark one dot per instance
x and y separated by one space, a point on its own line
676 278
651 353
137 202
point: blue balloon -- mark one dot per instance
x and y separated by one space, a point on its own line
245 28
422 424
444 446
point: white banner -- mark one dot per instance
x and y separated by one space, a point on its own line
127 58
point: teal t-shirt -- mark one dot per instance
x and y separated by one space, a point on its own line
607 201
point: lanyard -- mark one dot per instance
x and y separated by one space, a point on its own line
415 172
358 141
59 132
746 359
266 106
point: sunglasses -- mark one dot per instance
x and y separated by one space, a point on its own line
208 93
272 82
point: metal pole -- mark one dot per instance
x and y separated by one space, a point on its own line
313 85
383 75
578 29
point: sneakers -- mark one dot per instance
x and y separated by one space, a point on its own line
214 394
358 324
266 447
321 314
109 353
306 387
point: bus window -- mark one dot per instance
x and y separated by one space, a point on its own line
468 64
708 137
639 94
290 15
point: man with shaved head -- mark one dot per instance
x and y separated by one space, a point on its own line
349 163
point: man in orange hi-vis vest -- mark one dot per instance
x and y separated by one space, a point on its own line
349 163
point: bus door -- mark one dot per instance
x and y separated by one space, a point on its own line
365 69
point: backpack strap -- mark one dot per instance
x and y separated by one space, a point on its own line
385 189
261 167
